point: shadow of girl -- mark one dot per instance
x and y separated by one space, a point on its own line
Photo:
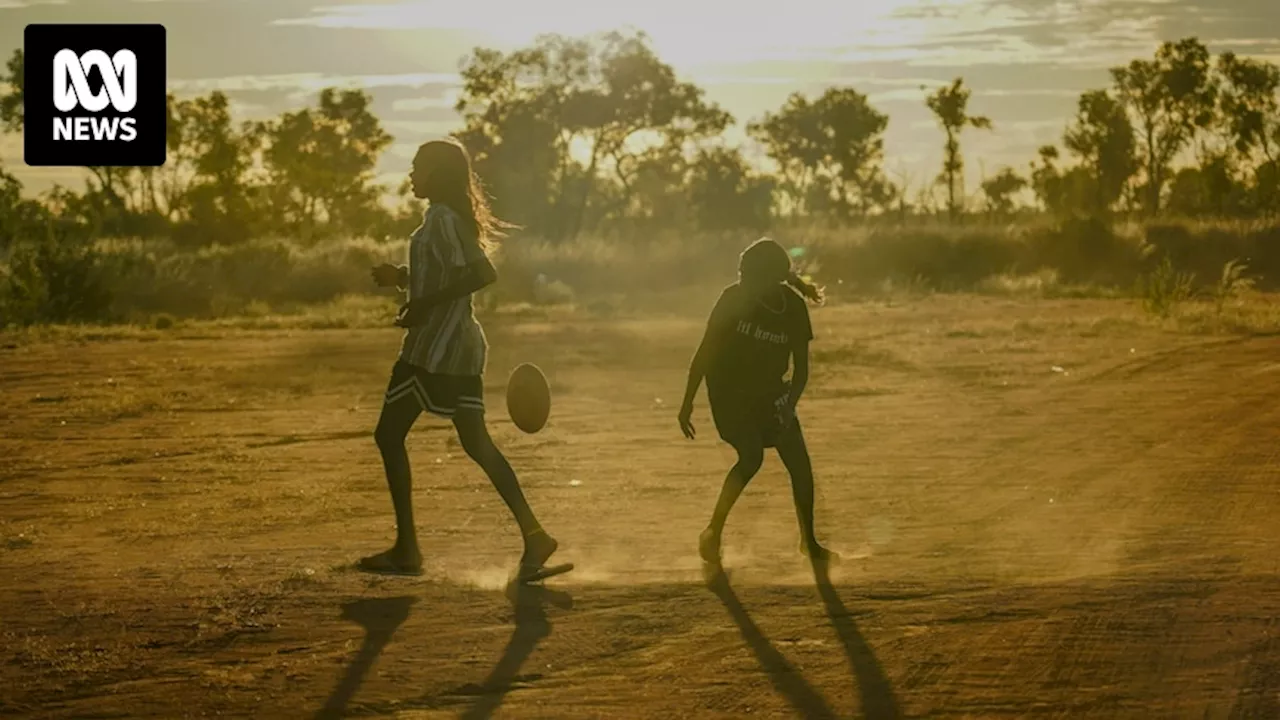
528 603
785 677
380 617
878 701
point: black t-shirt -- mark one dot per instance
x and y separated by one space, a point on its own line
751 340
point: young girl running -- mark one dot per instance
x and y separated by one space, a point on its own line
442 358
758 326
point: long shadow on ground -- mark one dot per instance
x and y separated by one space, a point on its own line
379 617
786 678
528 603
878 701
531 626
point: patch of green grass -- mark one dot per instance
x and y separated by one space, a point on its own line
1165 289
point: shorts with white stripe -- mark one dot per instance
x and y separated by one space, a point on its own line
441 395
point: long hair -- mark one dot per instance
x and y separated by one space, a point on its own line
450 181
765 261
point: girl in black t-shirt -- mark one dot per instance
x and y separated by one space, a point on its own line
759 326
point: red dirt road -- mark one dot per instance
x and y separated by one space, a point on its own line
178 513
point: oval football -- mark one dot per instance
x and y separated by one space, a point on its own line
528 398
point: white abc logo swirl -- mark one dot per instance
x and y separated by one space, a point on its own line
119 81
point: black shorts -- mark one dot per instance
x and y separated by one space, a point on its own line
441 395
745 418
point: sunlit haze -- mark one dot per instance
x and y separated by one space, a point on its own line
810 358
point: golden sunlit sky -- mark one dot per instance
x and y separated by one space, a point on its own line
1026 60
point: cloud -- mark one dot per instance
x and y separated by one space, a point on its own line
906 94
686 33
399 100
313 82
18 4
1085 26
446 102
236 37
420 127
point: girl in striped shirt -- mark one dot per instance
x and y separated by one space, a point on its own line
442 358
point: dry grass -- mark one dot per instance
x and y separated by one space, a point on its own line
158 284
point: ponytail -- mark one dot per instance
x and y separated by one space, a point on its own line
808 290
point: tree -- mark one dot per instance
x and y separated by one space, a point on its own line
319 162
1208 189
1102 137
791 138
726 194
640 94
553 126
1173 98
950 104
1247 100
1061 192
654 193
1250 116
17 215
207 180
1001 190
829 152
523 156
11 93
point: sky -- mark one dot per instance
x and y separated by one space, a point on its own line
1027 61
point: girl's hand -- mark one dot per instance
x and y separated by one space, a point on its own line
686 421
785 410
386 275
408 315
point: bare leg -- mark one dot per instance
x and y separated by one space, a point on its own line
397 418
795 456
479 446
750 458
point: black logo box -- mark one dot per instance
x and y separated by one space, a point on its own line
148 43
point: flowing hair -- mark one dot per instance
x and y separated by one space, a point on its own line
450 181
765 261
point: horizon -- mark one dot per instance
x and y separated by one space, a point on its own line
1026 61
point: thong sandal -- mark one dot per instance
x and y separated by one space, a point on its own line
531 572
532 575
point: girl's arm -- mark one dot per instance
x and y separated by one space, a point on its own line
697 370
801 337
470 279
469 266
708 348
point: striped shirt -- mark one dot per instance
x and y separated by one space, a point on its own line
450 341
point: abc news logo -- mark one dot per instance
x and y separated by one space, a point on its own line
71 91
95 95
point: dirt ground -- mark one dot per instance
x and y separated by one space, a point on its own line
1046 509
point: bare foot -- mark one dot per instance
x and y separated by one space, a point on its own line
393 562
538 548
709 546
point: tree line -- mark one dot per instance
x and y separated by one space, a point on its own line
598 134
